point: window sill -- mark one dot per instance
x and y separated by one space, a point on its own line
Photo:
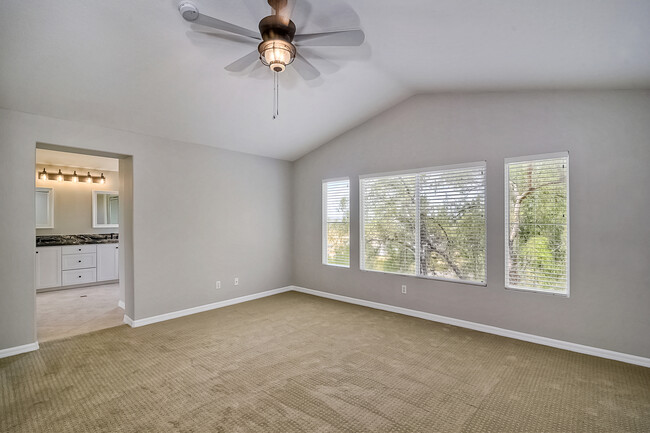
541 292
337 266
422 277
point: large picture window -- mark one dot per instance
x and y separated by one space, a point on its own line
537 223
336 222
428 223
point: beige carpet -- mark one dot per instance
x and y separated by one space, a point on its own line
297 363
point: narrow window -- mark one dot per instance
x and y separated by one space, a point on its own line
428 223
537 223
336 222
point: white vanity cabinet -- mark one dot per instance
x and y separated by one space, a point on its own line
48 267
107 262
75 265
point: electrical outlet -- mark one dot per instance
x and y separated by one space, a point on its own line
218 285
236 281
404 289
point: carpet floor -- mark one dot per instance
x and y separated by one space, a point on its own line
298 363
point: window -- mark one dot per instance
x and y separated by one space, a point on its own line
428 223
537 223
336 222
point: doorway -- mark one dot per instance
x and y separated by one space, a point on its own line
83 201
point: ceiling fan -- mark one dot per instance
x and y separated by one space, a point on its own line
277 42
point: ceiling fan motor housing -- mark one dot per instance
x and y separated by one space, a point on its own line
276 49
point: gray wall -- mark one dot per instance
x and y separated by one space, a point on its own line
199 214
608 136
73 201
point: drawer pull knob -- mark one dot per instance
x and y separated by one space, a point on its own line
79 276
79 249
79 261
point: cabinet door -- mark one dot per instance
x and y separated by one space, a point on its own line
48 267
107 262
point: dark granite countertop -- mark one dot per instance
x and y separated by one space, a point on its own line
55 240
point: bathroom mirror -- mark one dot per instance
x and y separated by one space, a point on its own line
106 206
44 200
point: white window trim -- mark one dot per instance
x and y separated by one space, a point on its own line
323 237
506 219
417 262
420 170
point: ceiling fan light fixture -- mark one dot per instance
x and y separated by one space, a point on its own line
277 54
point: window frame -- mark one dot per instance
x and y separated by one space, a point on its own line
506 219
417 171
324 183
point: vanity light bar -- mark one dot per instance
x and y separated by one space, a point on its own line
63 177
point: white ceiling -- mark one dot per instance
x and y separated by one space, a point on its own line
75 160
137 66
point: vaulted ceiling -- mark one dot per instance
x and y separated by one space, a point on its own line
138 66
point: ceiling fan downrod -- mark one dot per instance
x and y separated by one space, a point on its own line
276 94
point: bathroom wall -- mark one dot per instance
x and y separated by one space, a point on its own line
73 201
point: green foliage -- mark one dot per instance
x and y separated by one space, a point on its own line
389 224
450 238
338 236
538 225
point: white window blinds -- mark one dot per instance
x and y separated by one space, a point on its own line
429 223
388 217
537 223
336 222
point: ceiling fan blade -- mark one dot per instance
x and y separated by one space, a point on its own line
344 38
243 62
208 21
306 70
201 35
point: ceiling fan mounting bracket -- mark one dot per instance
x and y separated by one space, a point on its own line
277 4
188 10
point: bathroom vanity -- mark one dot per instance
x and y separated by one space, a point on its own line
64 261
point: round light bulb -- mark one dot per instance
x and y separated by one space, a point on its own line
89 179
43 175
75 178
59 176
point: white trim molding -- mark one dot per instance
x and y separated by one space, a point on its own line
201 308
120 304
573 347
17 350
127 320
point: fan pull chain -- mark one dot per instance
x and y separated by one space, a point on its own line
276 95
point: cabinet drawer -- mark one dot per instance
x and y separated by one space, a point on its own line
78 249
78 261
79 276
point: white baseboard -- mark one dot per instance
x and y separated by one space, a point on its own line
128 321
201 308
120 304
17 350
588 350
